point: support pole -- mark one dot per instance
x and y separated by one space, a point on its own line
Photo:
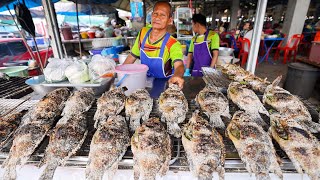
257 30
53 29
78 27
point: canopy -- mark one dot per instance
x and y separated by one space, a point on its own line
29 3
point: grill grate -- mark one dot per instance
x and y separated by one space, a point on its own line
14 88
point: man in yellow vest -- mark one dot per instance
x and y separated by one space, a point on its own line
157 49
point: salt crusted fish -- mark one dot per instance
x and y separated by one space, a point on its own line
247 100
66 138
34 127
287 104
214 104
204 148
256 83
300 145
80 101
173 107
138 105
8 124
110 103
151 148
108 145
254 146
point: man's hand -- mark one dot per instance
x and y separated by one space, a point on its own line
177 80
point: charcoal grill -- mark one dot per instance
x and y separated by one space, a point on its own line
14 88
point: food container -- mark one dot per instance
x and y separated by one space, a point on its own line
21 71
16 63
35 84
91 34
66 32
224 51
84 35
137 76
122 58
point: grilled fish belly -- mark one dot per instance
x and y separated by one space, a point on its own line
300 145
214 104
108 145
173 107
204 148
110 103
138 106
254 146
151 148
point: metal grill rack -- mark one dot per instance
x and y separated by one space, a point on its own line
14 88
179 160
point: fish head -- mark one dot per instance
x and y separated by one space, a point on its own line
280 124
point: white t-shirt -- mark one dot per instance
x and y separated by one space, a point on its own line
248 35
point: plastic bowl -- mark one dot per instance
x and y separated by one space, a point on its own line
224 51
35 84
21 71
137 76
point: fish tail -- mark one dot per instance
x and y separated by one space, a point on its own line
311 126
134 124
48 172
263 176
9 172
94 175
174 129
216 121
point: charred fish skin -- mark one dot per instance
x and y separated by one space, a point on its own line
247 100
79 102
214 104
108 146
138 106
204 148
66 138
300 145
254 146
33 128
151 148
110 103
173 107
8 124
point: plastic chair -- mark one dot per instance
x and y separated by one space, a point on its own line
276 47
289 48
244 52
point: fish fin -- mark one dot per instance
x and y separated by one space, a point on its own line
276 81
48 172
174 129
262 176
216 121
313 127
112 170
10 172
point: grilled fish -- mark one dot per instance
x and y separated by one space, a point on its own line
110 103
66 138
247 100
214 104
254 146
234 72
151 148
138 105
34 127
173 106
79 102
256 83
108 145
300 145
287 104
204 148
8 124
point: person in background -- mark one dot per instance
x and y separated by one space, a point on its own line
157 49
204 47
245 29
317 28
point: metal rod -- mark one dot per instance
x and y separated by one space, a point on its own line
77 11
255 43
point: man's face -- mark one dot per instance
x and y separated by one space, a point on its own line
246 26
160 18
195 27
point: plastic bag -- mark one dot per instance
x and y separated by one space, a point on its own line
77 72
101 67
55 70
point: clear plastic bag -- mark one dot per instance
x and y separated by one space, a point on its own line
77 72
55 70
101 67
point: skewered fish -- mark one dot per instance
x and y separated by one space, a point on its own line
173 106
66 138
8 124
247 100
151 148
286 103
204 148
110 103
300 145
33 129
214 104
80 101
138 105
254 146
108 145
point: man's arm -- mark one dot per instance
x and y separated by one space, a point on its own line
214 60
177 77
130 59
189 60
